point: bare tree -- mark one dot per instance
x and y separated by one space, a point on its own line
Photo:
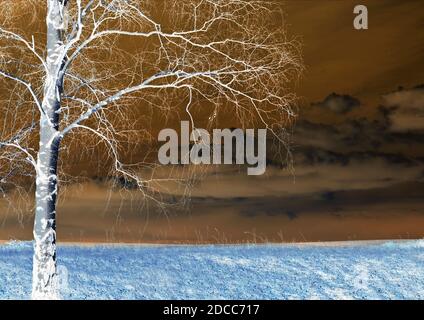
98 65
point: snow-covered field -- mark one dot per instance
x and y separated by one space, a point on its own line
390 270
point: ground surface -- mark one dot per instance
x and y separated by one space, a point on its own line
389 270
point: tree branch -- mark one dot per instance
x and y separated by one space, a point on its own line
27 85
30 46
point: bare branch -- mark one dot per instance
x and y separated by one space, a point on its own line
27 85
12 35
145 85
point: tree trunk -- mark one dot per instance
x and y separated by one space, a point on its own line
45 282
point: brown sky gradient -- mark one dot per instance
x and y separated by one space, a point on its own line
365 64
359 172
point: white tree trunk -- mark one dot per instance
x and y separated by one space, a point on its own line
44 285
44 261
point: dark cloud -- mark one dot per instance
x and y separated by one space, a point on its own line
335 202
399 122
406 109
350 135
349 155
339 103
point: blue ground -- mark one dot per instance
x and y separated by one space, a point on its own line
392 270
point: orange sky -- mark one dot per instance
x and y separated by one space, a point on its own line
359 179
367 63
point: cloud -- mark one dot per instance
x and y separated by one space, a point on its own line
349 155
340 104
399 122
316 172
350 135
363 153
406 109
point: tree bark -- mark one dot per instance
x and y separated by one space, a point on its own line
45 282
44 260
